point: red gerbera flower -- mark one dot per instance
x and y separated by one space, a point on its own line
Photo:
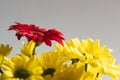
33 32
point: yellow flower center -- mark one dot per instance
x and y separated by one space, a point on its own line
21 73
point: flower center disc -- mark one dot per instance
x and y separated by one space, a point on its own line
74 60
49 71
21 73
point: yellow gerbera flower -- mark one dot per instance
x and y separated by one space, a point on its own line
74 72
89 52
4 51
21 67
50 62
29 48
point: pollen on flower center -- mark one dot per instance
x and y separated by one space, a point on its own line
48 71
21 73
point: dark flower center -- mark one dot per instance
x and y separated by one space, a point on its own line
1 71
97 74
74 60
49 71
21 73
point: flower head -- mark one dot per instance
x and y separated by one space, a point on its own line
21 67
28 48
94 56
4 51
50 62
33 32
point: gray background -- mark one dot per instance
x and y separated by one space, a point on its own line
75 18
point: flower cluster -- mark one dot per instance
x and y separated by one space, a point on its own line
75 59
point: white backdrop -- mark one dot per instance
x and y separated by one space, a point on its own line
75 18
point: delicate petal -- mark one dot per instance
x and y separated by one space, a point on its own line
53 34
28 48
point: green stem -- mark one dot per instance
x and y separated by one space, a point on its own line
86 66
36 45
34 50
